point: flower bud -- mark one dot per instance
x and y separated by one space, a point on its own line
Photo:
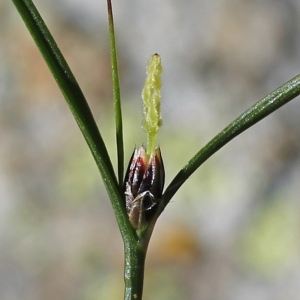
143 186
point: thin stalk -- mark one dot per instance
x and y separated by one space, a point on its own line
134 255
255 113
134 271
78 105
116 93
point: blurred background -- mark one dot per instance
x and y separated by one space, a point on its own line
232 231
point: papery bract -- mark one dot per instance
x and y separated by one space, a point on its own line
143 186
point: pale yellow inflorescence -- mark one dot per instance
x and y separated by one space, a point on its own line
151 96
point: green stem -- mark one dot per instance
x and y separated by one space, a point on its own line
135 252
117 97
255 113
78 105
134 255
134 271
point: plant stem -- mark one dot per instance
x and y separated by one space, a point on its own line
134 271
255 113
134 254
135 251
68 85
78 105
117 97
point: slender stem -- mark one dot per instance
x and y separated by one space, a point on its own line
78 105
133 254
134 271
117 97
135 251
255 113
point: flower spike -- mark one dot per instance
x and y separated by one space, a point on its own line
143 186
151 101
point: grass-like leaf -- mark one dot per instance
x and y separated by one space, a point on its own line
255 113
117 96
78 105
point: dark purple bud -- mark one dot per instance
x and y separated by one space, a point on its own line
143 186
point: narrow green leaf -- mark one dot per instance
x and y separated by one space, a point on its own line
255 113
117 97
78 105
